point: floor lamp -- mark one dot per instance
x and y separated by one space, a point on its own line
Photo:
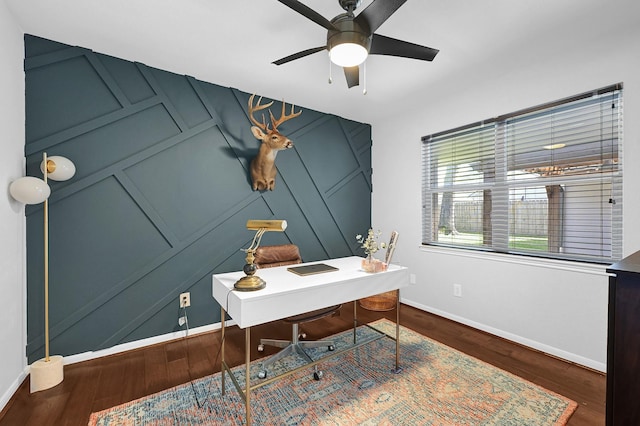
48 371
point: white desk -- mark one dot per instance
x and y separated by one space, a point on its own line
288 294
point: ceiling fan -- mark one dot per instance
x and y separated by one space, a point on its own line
350 38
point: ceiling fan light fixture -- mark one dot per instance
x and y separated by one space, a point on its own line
351 38
349 46
348 54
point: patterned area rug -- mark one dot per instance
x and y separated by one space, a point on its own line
437 386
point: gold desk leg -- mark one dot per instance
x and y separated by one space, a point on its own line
355 320
247 383
223 314
398 368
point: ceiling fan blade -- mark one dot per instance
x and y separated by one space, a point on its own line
382 45
299 55
377 12
353 76
309 13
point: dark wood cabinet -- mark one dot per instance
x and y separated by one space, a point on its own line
623 345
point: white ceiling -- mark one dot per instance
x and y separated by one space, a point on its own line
232 43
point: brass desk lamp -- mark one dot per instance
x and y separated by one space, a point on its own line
251 281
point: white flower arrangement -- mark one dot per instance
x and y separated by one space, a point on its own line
370 243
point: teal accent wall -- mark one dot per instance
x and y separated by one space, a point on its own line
162 194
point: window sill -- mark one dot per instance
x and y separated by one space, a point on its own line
565 265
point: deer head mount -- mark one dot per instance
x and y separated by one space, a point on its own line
263 168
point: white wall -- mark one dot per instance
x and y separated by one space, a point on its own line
12 314
558 307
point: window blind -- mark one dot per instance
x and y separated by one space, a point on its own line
546 181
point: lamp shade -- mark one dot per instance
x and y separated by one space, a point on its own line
59 168
267 225
349 44
29 190
348 54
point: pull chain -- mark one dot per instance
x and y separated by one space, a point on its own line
330 79
364 77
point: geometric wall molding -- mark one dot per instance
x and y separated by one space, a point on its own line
162 193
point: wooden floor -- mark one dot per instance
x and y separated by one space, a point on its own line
102 383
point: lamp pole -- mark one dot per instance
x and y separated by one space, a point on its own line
46 263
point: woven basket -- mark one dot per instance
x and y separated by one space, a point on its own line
379 302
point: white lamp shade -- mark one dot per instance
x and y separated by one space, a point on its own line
29 190
63 168
348 54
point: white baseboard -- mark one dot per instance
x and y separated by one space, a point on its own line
72 359
568 356
6 397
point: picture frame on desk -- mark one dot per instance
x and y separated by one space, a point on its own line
391 247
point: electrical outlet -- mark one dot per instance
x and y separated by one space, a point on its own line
412 278
457 290
185 300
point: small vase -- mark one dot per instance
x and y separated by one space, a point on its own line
371 264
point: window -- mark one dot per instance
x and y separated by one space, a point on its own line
546 181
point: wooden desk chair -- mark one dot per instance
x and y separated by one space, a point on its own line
280 255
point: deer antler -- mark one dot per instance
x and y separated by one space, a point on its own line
258 107
283 117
